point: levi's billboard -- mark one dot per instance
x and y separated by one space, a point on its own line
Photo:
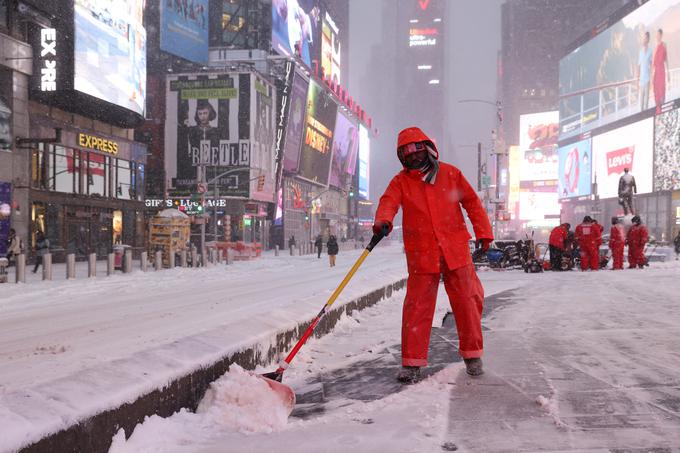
627 147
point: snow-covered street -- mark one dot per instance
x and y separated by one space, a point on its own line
574 361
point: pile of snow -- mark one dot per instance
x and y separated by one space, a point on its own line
237 402
240 401
172 213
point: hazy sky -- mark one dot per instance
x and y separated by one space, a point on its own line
472 42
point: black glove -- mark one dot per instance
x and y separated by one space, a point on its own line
483 244
382 228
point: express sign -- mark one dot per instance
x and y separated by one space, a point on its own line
48 56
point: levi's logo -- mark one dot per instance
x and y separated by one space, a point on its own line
619 159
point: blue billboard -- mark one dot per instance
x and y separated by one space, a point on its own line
184 29
575 169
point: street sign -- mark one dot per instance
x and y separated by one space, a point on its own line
202 187
486 180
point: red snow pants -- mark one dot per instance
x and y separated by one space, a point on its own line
466 296
617 256
590 257
636 255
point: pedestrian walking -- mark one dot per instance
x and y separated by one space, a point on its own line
676 242
588 236
431 195
617 241
318 243
332 248
42 247
637 238
557 245
14 246
291 243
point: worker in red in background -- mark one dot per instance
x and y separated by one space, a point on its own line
558 239
617 240
637 238
431 195
588 235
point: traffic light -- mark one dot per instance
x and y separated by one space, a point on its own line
351 192
306 215
260 183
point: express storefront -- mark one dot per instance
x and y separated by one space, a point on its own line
87 191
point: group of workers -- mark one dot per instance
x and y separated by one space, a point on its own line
588 238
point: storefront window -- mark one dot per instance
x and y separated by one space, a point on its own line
117 227
124 180
39 169
140 182
97 174
64 170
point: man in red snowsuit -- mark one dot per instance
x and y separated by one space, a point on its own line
588 236
637 238
431 194
558 237
617 239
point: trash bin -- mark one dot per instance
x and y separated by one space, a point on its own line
4 263
118 254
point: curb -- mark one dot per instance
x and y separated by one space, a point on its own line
94 434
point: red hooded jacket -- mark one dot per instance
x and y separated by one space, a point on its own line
432 214
557 236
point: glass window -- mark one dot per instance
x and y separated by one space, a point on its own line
124 180
64 170
39 169
4 8
97 174
140 182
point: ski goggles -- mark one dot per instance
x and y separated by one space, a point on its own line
406 150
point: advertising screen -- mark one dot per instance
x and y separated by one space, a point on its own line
538 144
629 67
296 28
331 48
110 51
364 161
316 154
262 140
539 205
345 146
575 170
627 147
667 151
514 164
206 127
296 123
184 29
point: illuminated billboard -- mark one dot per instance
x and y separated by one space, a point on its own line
296 28
296 123
514 164
316 153
537 205
345 146
110 51
538 144
206 125
184 29
331 49
667 151
626 147
629 67
364 161
575 169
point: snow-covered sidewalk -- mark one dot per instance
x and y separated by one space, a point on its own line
71 349
574 362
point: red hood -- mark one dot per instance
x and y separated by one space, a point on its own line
414 135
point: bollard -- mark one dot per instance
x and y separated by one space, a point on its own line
127 262
21 268
230 256
276 250
194 258
144 261
91 265
70 265
213 256
218 255
171 259
110 263
183 258
47 266
158 260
